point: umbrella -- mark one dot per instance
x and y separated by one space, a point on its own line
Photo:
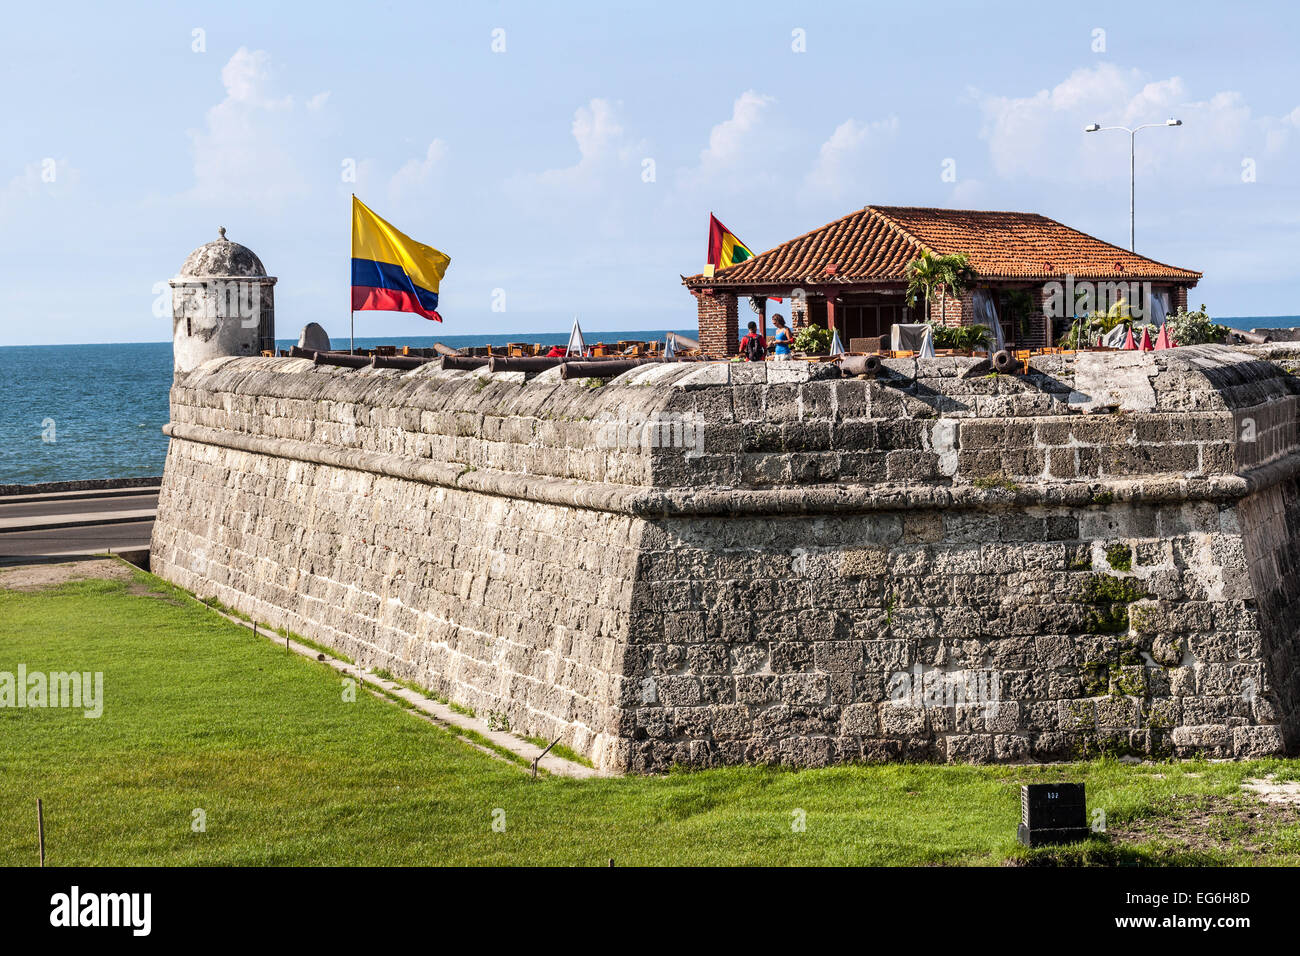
1163 340
576 345
1129 343
1146 345
837 347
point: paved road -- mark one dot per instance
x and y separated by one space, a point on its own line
33 527
54 507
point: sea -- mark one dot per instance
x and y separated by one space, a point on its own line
77 412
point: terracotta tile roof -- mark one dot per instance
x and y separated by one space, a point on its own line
875 244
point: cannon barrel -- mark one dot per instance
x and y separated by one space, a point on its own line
606 368
465 363
527 363
342 359
1003 361
860 364
405 362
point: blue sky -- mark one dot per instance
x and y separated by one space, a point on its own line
122 147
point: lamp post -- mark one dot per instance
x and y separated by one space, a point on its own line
1132 140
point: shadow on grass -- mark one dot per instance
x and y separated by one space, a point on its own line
1101 850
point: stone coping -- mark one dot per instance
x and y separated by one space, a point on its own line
801 500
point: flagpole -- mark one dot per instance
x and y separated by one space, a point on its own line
352 312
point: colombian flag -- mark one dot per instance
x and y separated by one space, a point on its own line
724 248
390 270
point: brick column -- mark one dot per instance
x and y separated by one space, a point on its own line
1179 299
950 309
798 311
718 321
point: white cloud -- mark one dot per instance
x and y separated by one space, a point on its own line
256 144
734 144
417 175
729 139
602 147
246 77
46 178
847 163
1041 136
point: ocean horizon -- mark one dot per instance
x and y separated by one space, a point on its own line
91 411
88 411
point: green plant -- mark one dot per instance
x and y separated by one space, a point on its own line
1195 328
923 277
812 340
928 273
1109 597
1120 557
960 337
955 274
1085 329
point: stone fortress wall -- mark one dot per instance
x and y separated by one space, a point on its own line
785 565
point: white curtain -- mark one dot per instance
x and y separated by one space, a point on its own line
986 314
927 344
1159 307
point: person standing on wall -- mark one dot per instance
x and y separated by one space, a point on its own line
781 339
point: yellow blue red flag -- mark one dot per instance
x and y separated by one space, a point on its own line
390 270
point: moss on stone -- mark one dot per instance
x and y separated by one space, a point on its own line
1110 597
1079 561
1095 678
1109 589
1120 557
1155 718
1129 682
1117 671
990 483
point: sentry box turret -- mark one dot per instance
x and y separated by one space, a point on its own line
1052 813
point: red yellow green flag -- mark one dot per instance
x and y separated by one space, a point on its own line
724 248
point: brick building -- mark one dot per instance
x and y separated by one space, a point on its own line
850 275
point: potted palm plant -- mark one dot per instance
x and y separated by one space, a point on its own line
812 340
929 273
960 339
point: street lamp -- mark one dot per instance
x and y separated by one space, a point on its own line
1132 137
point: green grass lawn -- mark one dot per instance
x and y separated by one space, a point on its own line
200 714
